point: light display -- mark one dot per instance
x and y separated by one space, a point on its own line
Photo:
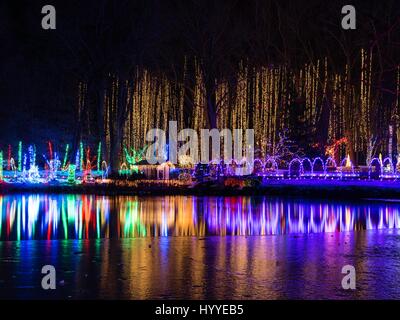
332 149
20 156
81 152
104 170
87 173
185 161
348 161
71 173
25 163
9 158
263 98
123 170
136 156
33 174
1 165
64 165
32 218
53 165
50 150
265 168
99 157
77 160
32 156
13 167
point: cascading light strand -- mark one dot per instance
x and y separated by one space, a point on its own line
20 156
99 157
65 156
81 152
1 165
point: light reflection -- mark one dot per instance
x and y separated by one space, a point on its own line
87 216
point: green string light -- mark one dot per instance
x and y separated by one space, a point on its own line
20 156
99 157
81 154
66 155
71 173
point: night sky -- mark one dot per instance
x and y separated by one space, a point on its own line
40 68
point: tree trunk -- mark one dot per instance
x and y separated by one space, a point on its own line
211 105
115 144
117 122
101 123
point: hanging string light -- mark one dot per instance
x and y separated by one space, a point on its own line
9 158
65 157
20 156
50 150
99 157
77 160
71 173
81 152
31 156
1 165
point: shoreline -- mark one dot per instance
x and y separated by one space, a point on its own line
335 189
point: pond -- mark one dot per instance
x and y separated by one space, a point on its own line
187 247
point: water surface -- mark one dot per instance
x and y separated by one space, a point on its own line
178 247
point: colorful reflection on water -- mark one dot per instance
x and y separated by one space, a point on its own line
49 217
